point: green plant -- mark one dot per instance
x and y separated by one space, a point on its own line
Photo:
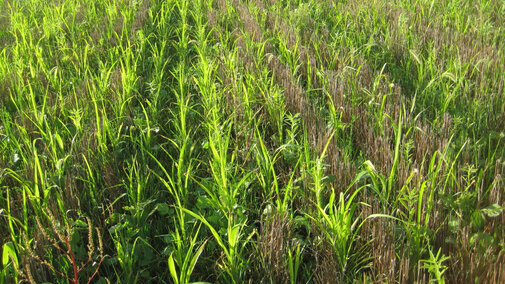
259 135
435 266
185 258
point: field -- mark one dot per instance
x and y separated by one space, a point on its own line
252 141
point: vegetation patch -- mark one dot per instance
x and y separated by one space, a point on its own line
235 141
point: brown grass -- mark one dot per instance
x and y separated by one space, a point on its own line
274 243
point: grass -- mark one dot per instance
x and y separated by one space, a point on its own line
236 141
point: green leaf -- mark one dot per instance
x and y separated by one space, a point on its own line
192 264
57 137
163 209
492 210
234 235
80 223
171 266
9 253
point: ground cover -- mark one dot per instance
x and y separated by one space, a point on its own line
254 141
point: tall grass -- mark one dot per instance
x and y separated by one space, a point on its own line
237 141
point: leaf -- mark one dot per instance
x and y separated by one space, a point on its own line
492 210
57 137
203 202
193 261
163 209
171 266
234 235
9 252
80 223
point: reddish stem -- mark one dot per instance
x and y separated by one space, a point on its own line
96 271
74 264
84 265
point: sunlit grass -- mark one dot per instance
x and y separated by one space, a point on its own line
235 141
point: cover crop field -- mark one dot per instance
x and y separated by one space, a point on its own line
252 141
